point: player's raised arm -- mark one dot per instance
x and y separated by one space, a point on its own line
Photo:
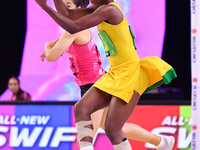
99 15
54 51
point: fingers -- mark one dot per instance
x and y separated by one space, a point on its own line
42 57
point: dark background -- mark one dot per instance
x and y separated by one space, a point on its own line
12 35
176 49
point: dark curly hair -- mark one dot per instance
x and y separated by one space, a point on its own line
82 3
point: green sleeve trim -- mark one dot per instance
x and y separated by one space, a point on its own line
168 76
133 36
108 45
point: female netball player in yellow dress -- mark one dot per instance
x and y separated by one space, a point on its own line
128 76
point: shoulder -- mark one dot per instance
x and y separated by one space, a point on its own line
66 33
107 11
26 96
83 37
67 36
106 8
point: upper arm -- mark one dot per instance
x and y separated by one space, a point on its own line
64 42
60 47
98 16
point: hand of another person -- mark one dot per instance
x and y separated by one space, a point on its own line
43 56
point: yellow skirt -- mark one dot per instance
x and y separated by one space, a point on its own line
141 75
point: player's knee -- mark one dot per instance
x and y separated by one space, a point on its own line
82 111
79 110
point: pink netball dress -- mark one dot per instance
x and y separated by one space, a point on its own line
85 62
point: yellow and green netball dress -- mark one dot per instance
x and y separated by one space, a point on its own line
127 71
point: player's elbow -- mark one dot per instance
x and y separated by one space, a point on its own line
74 29
50 58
